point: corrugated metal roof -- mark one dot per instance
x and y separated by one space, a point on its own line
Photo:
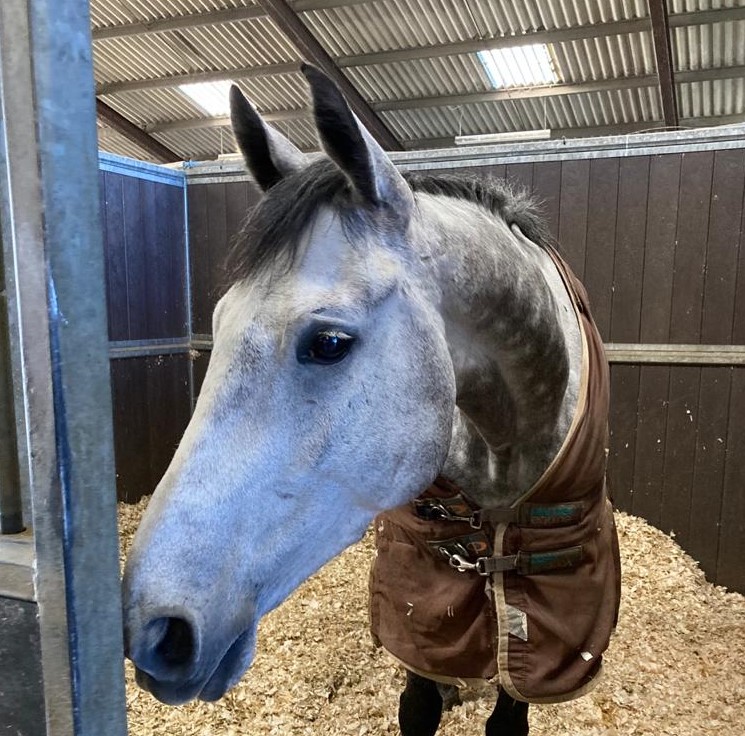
597 109
112 141
197 47
106 13
206 143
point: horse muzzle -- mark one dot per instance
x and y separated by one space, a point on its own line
176 664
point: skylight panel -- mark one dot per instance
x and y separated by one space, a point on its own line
212 97
519 66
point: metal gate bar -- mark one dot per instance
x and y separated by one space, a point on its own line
54 257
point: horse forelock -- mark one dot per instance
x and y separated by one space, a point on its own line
272 234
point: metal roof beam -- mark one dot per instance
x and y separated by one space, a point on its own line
129 130
556 90
247 72
214 17
595 131
558 35
310 48
664 55
281 116
515 93
518 93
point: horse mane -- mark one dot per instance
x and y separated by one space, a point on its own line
272 231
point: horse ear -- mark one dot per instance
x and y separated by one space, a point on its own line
268 154
355 151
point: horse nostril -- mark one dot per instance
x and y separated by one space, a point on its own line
175 646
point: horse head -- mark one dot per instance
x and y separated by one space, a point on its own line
329 397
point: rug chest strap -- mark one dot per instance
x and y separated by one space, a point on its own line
534 515
524 563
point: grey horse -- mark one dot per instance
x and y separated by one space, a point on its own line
378 331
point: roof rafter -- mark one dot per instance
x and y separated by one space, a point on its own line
214 17
664 56
556 35
513 93
310 48
641 126
129 130
247 72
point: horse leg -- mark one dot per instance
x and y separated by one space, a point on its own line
509 718
420 707
450 695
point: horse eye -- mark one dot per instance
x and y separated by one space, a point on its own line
327 347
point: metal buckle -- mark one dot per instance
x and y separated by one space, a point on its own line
447 515
475 520
461 564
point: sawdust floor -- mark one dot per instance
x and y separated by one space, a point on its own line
676 666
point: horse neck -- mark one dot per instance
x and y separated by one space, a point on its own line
516 350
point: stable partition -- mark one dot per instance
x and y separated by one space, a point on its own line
655 226
144 226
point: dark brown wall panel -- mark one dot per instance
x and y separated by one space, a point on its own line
575 183
145 248
738 325
165 275
690 251
520 175
547 189
602 215
622 420
218 238
131 435
115 254
650 438
200 249
151 410
628 266
659 248
680 451
712 419
725 219
730 570
216 213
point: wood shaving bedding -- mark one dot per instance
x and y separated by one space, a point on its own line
675 667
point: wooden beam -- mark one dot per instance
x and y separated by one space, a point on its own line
664 55
129 130
310 49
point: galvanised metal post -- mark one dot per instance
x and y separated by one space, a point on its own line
49 187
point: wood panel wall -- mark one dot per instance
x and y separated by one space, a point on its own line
145 249
216 212
658 242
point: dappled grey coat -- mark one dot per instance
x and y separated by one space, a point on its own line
541 634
